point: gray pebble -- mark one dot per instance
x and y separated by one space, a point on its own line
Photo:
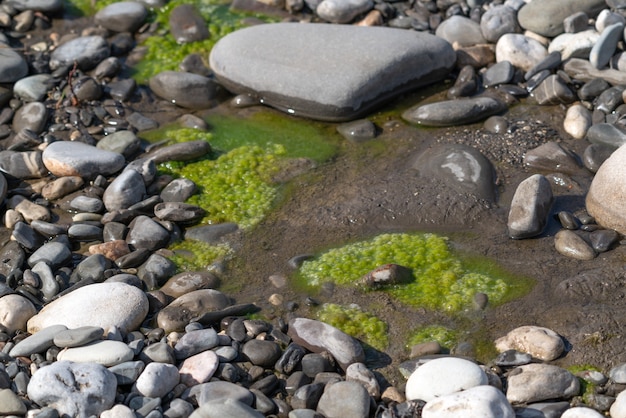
358 130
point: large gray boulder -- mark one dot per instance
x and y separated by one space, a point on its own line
328 72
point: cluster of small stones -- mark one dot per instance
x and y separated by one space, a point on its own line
94 320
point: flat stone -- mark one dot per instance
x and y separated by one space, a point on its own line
37 343
11 404
121 142
607 135
106 352
479 401
55 254
179 313
300 80
539 382
195 342
78 336
540 342
317 336
70 158
583 70
198 368
103 305
443 376
73 389
552 157
530 207
220 391
454 112
127 372
86 51
189 281
22 165
33 88
545 17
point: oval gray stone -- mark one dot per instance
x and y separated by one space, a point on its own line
184 89
454 112
127 189
38 342
607 134
33 116
370 65
530 207
124 16
176 315
342 11
604 48
539 382
86 51
12 66
545 17
69 158
572 245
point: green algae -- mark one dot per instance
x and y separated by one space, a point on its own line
441 282
85 7
356 322
191 255
446 337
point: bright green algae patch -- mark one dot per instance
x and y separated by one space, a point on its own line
446 337
192 255
356 322
441 282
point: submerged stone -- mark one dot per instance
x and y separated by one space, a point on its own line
328 72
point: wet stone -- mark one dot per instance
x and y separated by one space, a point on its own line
496 124
454 112
69 158
573 245
465 84
603 240
211 234
127 189
530 207
568 220
86 51
550 62
186 24
499 73
577 121
180 152
141 122
607 134
387 275
178 190
358 130
125 16
147 234
26 236
350 91
592 89
184 89
551 157
553 90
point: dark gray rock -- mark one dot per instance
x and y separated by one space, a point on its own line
187 90
604 48
86 51
552 157
178 212
499 73
454 112
553 90
147 234
497 21
12 66
124 16
187 25
127 189
262 352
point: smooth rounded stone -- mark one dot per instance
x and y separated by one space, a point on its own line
358 130
102 305
570 244
85 51
443 376
344 399
604 48
454 112
226 353
220 391
72 158
189 120
127 189
609 100
307 396
178 190
592 89
32 116
465 84
337 11
605 197
121 142
545 17
618 409
184 151
195 342
11 404
37 343
33 88
603 240
538 382
496 124
577 121
499 73
553 90
461 31
178 212
87 204
521 51
187 25
479 401
198 368
187 90
159 352
112 250
118 411
317 336
62 186
13 66
530 207
15 311
299 80
618 374
106 352
607 135
497 21
540 342
358 372
12 257
49 286
551 157
145 233
22 165
459 166
178 409
581 412
211 234
181 311
157 380
76 337
226 408
262 352
55 254
26 236
73 389
29 211
124 16
510 358
606 18
189 281
574 45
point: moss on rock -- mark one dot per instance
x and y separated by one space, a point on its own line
191 255
446 337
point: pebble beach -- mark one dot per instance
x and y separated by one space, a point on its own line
97 317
